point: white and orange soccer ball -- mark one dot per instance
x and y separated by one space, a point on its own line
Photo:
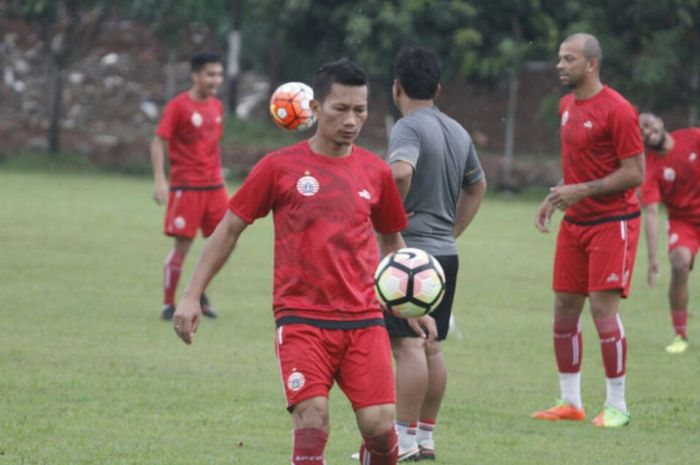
290 106
409 283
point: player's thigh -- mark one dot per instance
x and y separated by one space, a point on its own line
305 361
441 314
612 250
182 215
683 235
215 207
366 374
570 271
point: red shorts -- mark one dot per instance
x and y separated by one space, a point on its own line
359 360
190 210
681 233
595 258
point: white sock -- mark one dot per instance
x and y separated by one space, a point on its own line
407 436
570 385
424 435
616 393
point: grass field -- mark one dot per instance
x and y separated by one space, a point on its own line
89 375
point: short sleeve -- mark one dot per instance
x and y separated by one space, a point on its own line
472 170
256 196
626 136
388 215
650 191
168 122
404 144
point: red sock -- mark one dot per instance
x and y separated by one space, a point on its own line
380 450
568 343
680 322
309 444
171 276
613 345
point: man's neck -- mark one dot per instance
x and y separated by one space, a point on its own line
329 148
196 95
408 106
588 89
668 144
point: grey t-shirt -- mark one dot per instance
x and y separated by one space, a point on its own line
444 158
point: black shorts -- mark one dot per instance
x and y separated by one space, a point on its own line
398 327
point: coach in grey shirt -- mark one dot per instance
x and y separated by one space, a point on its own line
438 173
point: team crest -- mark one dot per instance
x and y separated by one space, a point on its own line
693 156
307 185
197 119
564 117
295 381
669 174
179 222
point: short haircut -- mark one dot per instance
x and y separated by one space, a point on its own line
343 71
591 47
200 59
418 71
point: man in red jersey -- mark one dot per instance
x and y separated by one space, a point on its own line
602 162
328 197
191 127
672 178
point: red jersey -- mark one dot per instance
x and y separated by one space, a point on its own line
193 130
674 177
325 211
596 133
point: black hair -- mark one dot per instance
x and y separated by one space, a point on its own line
200 59
343 71
418 71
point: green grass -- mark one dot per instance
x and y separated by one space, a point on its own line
88 374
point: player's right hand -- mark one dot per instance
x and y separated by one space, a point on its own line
543 215
652 272
186 319
160 192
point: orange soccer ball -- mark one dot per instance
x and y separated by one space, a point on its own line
290 106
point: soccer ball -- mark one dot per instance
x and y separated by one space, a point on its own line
290 106
409 283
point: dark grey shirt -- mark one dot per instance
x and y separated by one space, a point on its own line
444 158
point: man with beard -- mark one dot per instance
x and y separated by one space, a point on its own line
672 174
602 163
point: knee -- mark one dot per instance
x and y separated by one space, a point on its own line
376 420
310 415
680 266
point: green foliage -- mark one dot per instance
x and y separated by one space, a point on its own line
90 375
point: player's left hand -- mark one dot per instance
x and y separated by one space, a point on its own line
424 326
564 196
186 319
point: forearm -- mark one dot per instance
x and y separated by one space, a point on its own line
468 204
651 229
629 174
216 251
390 243
158 159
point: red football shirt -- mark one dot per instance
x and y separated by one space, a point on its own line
673 178
193 130
325 212
596 133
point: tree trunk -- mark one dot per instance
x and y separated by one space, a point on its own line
506 181
170 74
234 56
55 93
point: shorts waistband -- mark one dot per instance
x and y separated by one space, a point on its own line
607 219
196 188
329 324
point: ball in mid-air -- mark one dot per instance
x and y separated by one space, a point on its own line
409 283
290 106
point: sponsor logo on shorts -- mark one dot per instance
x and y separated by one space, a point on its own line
669 174
307 185
613 278
673 238
197 119
295 381
179 222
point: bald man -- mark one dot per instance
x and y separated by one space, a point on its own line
602 159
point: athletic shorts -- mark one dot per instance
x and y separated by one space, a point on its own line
312 358
682 233
398 327
190 210
597 257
